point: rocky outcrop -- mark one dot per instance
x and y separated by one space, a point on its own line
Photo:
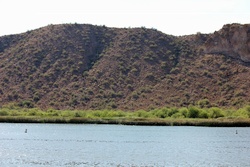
232 40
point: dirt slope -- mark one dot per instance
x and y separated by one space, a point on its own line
95 67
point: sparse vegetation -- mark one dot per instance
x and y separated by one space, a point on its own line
86 67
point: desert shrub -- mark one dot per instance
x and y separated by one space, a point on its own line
134 70
3 113
239 93
165 112
52 112
178 115
184 111
104 114
215 112
142 114
36 97
67 113
135 95
203 114
14 113
164 65
119 94
193 112
242 112
172 111
116 114
130 87
146 89
77 114
96 114
175 70
229 112
26 103
112 105
161 113
32 113
247 108
203 103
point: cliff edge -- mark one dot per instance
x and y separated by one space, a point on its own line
232 40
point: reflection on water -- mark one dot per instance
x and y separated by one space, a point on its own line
118 145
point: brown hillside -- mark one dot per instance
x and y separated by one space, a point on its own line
95 67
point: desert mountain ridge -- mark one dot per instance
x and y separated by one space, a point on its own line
81 66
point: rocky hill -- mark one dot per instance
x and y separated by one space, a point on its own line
75 66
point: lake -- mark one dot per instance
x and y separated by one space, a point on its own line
118 145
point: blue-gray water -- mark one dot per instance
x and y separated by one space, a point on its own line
49 145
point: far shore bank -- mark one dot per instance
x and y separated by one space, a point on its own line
185 116
135 121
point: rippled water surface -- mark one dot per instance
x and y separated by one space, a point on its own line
118 145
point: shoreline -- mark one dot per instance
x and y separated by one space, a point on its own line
221 122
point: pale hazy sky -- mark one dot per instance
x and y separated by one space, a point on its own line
176 17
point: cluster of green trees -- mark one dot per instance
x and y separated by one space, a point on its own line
162 113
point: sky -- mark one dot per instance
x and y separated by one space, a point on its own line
176 17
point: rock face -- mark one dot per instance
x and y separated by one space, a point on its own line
232 40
